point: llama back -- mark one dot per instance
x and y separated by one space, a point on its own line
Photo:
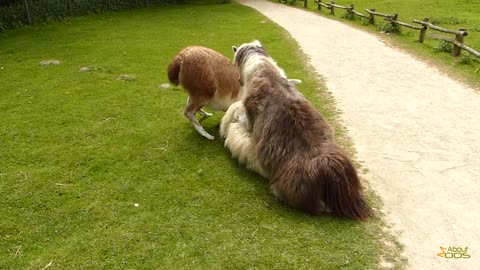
203 71
310 171
285 122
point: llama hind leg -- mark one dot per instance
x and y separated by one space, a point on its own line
277 194
190 111
202 111
205 114
298 194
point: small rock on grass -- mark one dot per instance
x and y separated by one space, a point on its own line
94 68
127 77
50 62
87 69
165 85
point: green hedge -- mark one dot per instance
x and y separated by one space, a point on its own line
13 13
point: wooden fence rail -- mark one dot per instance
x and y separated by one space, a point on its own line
461 45
393 19
356 13
338 6
404 24
372 11
460 35
325 5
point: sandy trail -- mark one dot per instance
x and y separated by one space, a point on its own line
419 138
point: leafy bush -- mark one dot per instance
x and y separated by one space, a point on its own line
7 2
13 13
349 16
443 46
465 60
388 27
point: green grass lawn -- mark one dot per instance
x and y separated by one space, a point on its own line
447 14
102 173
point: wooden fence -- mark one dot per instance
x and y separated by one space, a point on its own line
422 26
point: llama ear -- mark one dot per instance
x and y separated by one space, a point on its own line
234 49
256 42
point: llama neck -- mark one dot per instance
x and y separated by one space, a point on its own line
242 93
257 64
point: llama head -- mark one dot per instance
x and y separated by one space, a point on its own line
254 43
244 51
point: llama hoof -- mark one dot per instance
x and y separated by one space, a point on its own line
205 114
210 137
295 81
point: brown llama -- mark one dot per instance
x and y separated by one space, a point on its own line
210 79
278 133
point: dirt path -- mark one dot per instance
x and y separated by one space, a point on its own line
420 139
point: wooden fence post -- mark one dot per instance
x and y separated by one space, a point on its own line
332 9
319 2
305 3
423 31
456 51
372 17
25 2
394 18
350 10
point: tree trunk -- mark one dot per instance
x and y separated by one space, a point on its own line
25 2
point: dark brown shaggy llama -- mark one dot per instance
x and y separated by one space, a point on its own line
210 79
293 144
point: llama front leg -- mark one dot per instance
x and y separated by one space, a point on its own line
243 147
192 108
242 118
229 117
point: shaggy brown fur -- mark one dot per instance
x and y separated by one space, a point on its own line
210 79
294 143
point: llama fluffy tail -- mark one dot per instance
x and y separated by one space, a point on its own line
174 70
343 191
